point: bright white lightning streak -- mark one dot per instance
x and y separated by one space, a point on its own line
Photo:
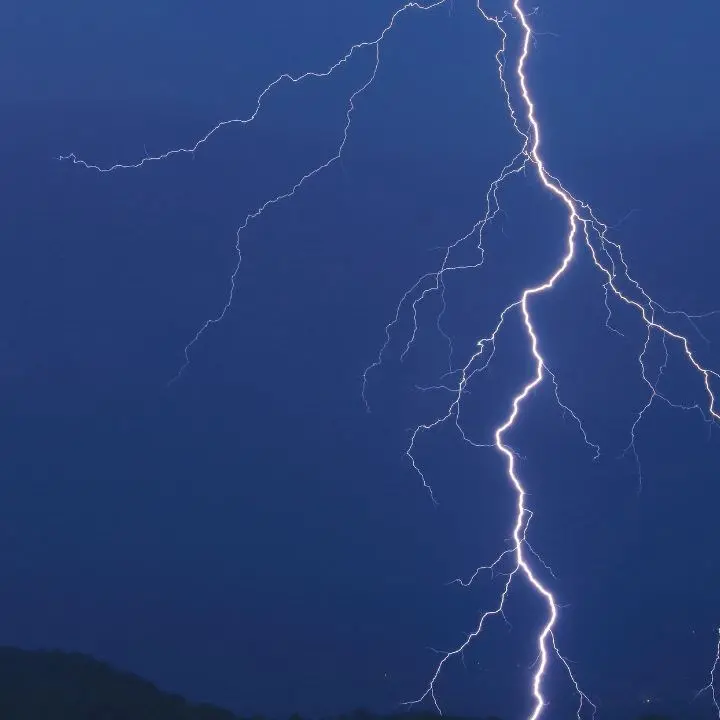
607 257
578 214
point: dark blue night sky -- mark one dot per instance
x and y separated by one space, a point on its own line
250 535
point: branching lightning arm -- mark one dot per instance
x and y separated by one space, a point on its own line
519 562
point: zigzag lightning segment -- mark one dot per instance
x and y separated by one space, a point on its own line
584 230
710 687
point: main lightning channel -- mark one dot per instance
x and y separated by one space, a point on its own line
583 229
609 259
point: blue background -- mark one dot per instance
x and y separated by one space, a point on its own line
250 535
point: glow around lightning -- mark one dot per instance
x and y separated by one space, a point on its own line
584 232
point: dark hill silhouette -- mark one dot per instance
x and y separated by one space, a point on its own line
54 685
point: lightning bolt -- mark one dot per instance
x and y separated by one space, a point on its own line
710 687
255 214
585 232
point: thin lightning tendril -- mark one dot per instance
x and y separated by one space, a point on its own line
584 229
244 121
710 687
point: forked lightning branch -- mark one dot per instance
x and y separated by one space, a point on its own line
584 233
